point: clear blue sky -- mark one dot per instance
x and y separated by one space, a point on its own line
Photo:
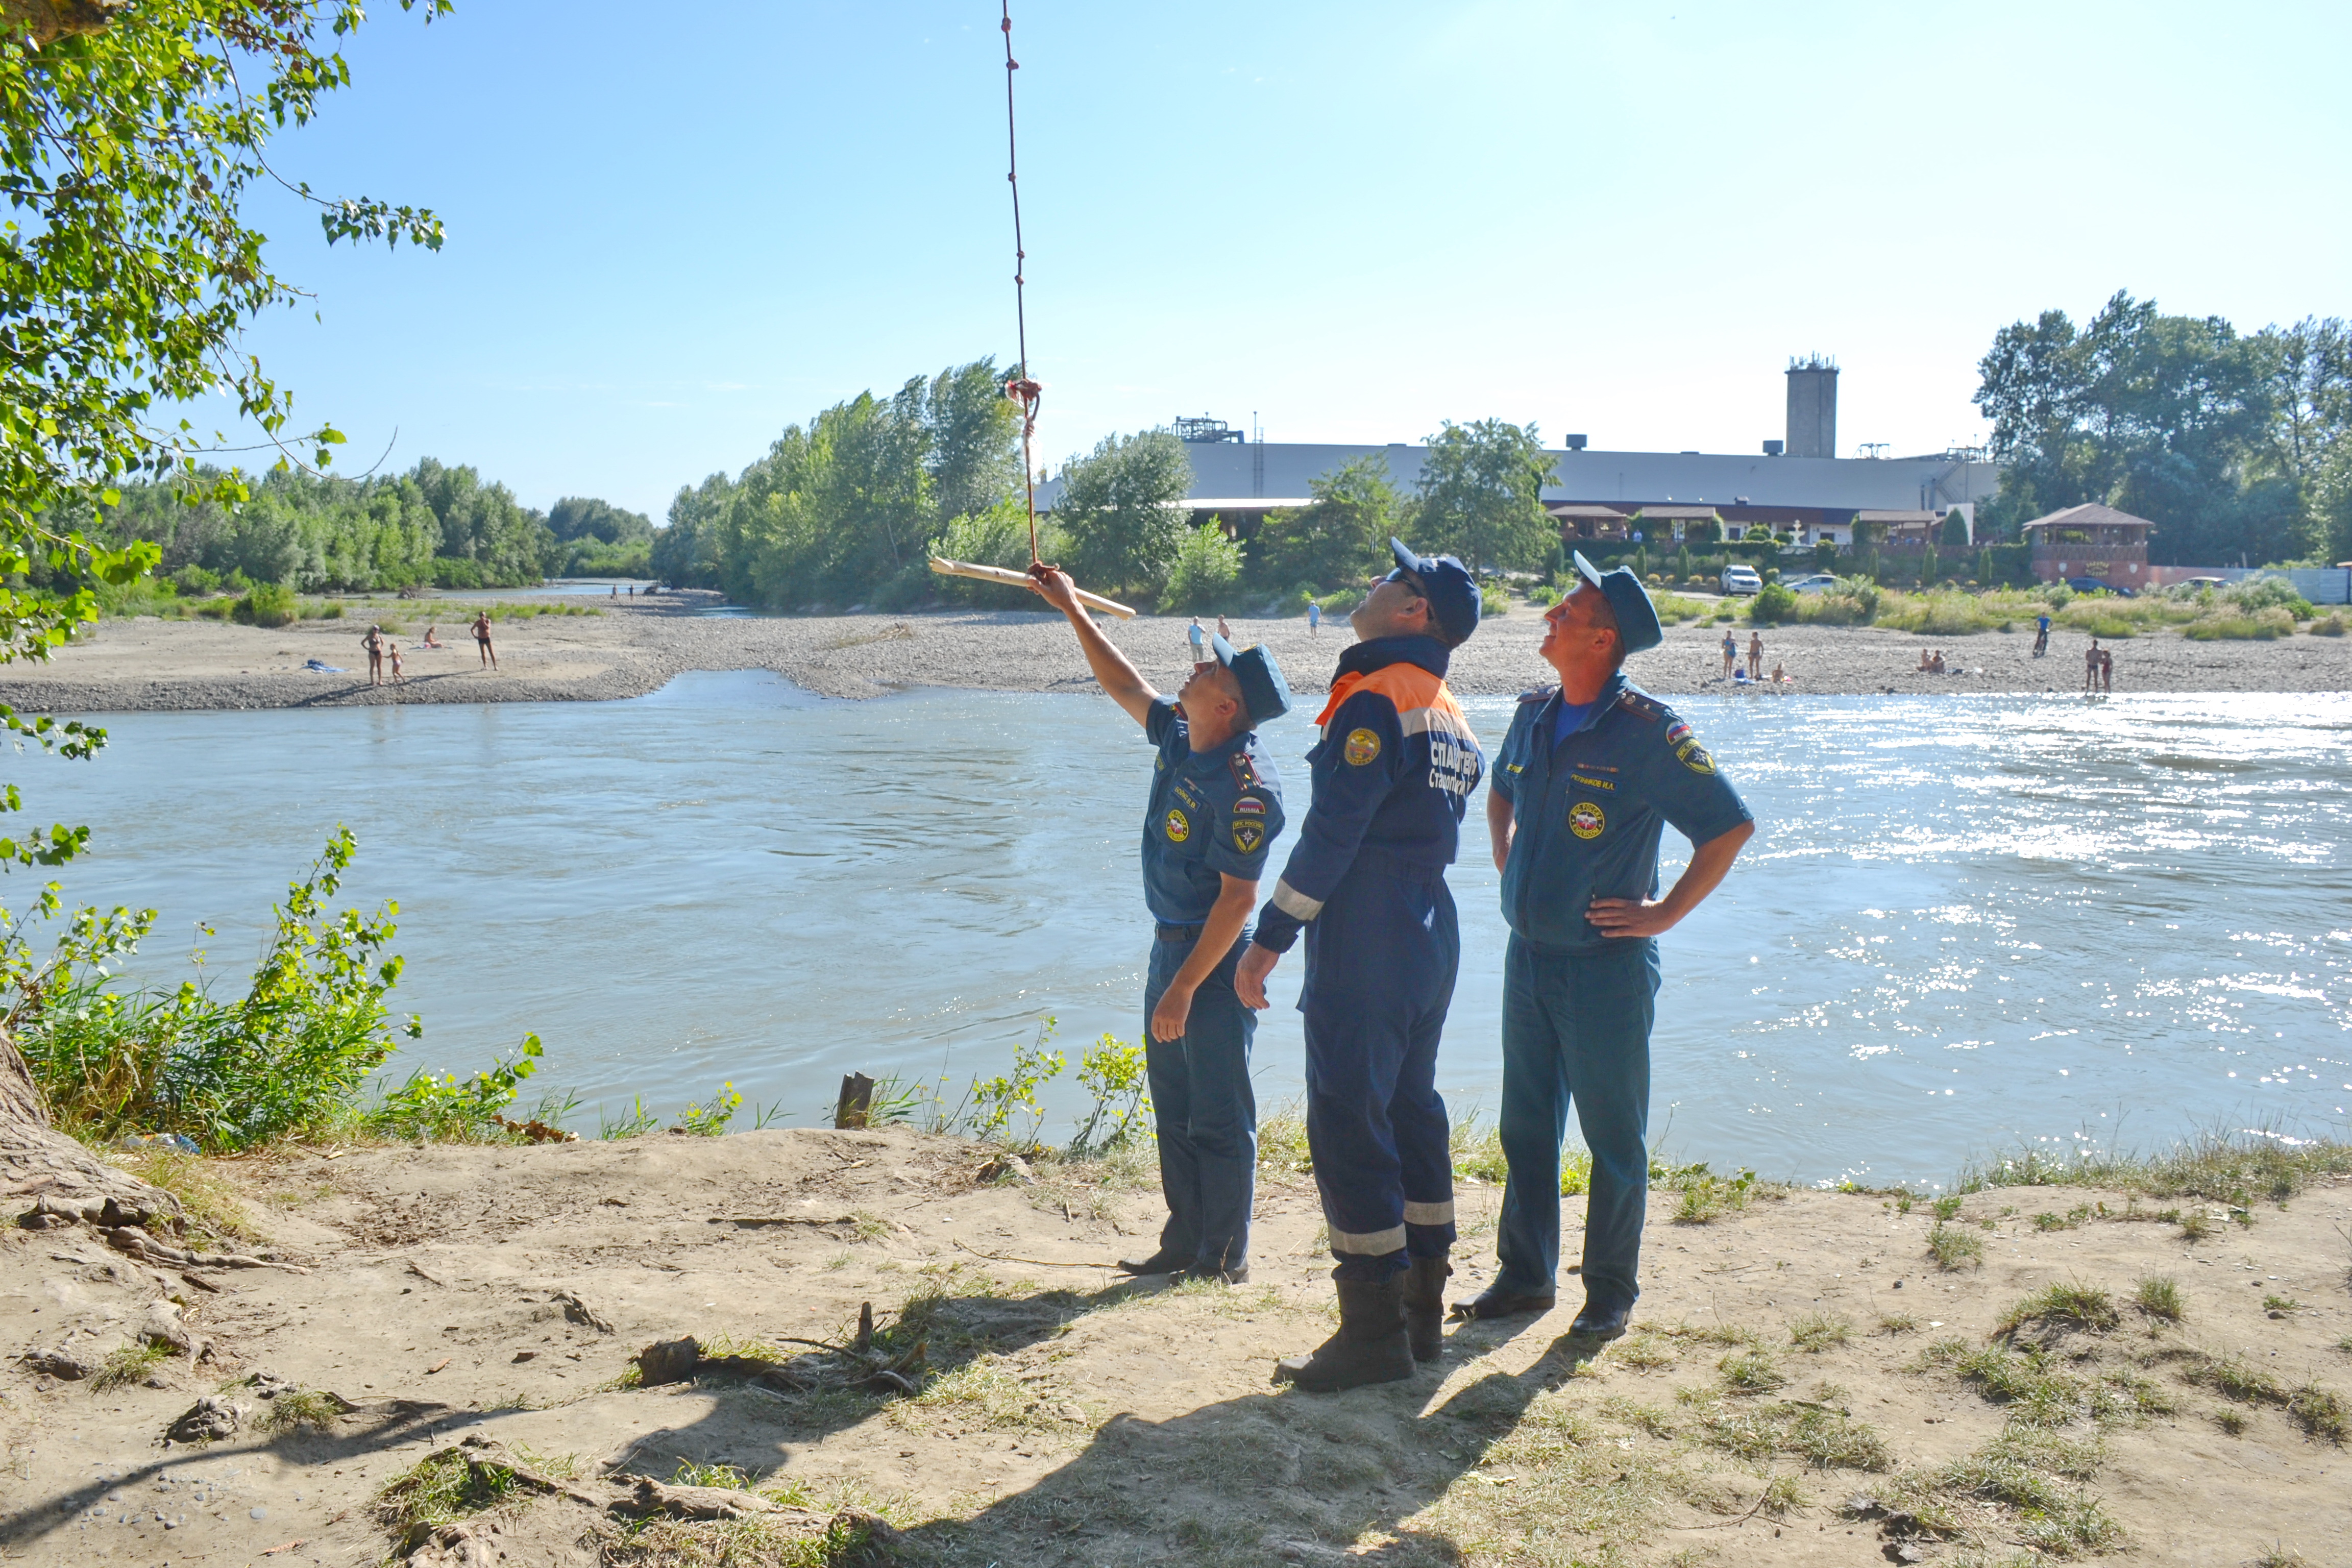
671 233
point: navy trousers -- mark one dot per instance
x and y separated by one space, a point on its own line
1576 1029
1381 963
1205 1112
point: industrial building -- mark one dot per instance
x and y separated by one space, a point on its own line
1795 483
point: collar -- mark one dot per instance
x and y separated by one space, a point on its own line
1363 658
1549 715
1222 749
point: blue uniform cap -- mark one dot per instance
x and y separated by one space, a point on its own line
1637 618
1264 692
1452 596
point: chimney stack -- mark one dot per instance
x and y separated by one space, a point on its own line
1812 407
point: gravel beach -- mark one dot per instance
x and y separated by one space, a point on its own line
635 648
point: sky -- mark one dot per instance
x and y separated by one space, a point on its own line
672 234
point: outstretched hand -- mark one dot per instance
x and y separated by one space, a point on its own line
1052 584
1249 977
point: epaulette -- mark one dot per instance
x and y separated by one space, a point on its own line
1244 772
1540 694
1643 705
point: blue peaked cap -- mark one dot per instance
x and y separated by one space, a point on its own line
1264 692
1629 601
1452 596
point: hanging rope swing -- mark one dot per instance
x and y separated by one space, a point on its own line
1025 392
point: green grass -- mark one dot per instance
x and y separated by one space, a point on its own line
2235 1169
2235 626
129 1364
1749 1372
2159 1298
438 1489
302 1408
1818 1331
1898 1324
2277 1303
1955 1249
2071 1306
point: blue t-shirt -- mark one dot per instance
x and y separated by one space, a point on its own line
1213 815
1571 719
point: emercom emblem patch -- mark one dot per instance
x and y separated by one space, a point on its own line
1584 819
1363 747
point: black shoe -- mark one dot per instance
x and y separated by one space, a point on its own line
1495 1301
1161 1262
1237 1275
1600 1322
1371 1345
1424 1306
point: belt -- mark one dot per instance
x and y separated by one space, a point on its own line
1388 862
1178 933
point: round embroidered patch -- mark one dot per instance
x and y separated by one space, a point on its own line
1180 828
1584 820
1363 747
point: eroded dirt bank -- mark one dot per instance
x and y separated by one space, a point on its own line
1805 1384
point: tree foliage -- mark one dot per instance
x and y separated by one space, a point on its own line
1481 496
847 507
2232 444
1341 537
1121 511
127 274
436 523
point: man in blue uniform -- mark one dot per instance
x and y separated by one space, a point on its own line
1590 773
1215 811
1392 772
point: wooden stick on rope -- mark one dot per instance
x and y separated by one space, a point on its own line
1005 575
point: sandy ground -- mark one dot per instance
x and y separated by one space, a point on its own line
634 648
1073 1420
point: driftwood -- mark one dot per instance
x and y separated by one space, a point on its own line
67 1181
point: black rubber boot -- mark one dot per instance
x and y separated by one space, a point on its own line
1424 1306
1371 1345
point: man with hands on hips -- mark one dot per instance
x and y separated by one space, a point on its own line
1591 772
1215 810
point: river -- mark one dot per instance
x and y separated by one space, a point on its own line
1968 925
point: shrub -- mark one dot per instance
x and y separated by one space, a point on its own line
1772 605
1493 600
2257 594
2231 625
269 605
2332 626
996 537
192 579
1205 572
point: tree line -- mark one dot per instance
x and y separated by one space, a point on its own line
2237 446
435 525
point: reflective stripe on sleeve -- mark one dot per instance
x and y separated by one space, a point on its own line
1294 903
1370 1244
1430 1214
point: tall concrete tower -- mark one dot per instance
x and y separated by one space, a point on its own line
1812 407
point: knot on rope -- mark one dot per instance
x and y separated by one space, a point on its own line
1028 395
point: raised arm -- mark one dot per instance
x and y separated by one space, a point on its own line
1112 672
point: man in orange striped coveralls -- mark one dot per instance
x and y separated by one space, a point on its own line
1393 770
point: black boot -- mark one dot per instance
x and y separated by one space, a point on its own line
1424 1305
1371 1345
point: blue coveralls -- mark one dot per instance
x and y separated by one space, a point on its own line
1393 772
1577 1006
1213 814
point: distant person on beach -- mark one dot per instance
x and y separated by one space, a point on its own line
2041 636
1195 635
1592 772
431 639
2106 670
1780 675
1214 811
2091 662
1223 630
1936 662
391 648
1314 619
482 639
1730 653
373 643
1927 662
1755 656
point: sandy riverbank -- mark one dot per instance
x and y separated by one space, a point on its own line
631 649
1789 1360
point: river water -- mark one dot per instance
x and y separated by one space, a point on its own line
1967 925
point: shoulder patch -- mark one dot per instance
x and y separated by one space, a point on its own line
1362 746
1643 705
1540 694
1245 771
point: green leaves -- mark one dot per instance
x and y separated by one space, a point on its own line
1481 495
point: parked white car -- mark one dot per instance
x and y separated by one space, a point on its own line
1813 583
1738 579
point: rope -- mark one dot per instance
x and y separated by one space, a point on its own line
1026 394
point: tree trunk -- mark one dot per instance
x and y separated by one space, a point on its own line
64 1180
45 20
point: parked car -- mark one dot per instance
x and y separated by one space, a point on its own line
2099 585
1811 583
1738 579
2203 583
